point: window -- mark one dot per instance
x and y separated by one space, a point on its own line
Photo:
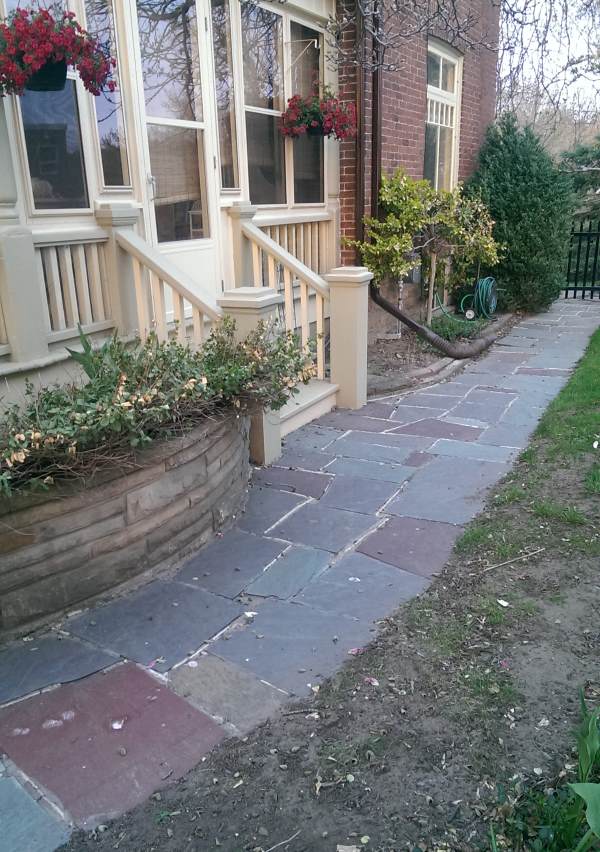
270 172
443 117
109 112
171 76
224 84
54 149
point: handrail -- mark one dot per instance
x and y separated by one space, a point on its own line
165 271
46 237
295 266
291 217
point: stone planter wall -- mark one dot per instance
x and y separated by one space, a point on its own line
62 549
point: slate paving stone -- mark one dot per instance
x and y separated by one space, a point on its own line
314 436
495 397
308 460
453 388
349 447
104 744
357 494
417 459
362 588
228 564
290 573
265 507
159 625
296 481
226 692
504 435
26 667
475 450
440 429
378 409
322 527
25 826
483 412
412 413
290 645
416 546
387 439
372 470
539 371
439 401
345 420
447 490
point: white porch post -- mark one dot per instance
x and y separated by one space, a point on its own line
121 285
349 306
248 306
22 297
242 254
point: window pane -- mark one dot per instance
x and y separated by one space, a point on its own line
109 113
170 62
266 159
433 69
263 57
223 56
54 150
448 76
429 167
445 158
306 59
176 160
308 170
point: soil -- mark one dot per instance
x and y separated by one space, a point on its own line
475 682
387 356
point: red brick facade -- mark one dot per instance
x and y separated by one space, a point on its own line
403 112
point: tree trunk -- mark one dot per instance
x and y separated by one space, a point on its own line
431 288
451 349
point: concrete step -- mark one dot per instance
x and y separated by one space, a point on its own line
315 399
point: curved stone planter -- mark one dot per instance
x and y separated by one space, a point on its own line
68 546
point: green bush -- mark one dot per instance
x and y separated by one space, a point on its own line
453 329
138 394
531 202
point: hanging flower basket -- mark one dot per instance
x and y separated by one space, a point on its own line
318 115
36 49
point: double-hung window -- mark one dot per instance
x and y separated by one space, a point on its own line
443 116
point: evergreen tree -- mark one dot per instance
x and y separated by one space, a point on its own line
531 202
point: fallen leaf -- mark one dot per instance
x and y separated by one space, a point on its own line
502 602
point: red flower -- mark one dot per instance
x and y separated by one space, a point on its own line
327 113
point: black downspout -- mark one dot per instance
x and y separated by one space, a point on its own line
376 118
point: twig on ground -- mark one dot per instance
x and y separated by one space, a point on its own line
283 842
516 559
299 712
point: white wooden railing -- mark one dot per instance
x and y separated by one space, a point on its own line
309 237
275 267
72 267
4 347
162 289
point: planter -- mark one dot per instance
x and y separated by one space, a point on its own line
315 131
68 547
51 77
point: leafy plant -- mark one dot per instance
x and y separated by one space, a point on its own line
531 202
138 394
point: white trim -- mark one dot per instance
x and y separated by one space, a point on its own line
439 103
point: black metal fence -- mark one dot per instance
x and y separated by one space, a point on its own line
583 265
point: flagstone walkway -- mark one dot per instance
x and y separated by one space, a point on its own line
360 512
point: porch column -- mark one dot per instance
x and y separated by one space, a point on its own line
248 306
349 326
242 252
121 285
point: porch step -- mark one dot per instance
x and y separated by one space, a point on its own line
315 399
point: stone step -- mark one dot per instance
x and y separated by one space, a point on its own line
314 400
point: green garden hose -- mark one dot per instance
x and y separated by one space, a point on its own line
483 300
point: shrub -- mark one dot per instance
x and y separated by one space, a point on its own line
138 394
531 202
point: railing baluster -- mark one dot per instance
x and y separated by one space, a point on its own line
81 284
53 290
257 266
308 246
160 311
271 272
289 299
179 314
68 286
314 265
300 242
320 312
304 312
198 322
95 282
141 299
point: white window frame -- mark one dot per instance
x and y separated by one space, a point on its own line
444 108
287 18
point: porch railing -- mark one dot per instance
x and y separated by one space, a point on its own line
163 291
309 237
72 268
274 266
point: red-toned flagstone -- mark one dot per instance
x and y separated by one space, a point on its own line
104 744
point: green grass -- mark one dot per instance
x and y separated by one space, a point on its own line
592 479
510 494
471 539
552 511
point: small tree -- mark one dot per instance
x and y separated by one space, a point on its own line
531 202
583 163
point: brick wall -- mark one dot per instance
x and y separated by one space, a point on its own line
403 99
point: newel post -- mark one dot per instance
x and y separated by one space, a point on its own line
242 253
121 285
248 306
349 326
